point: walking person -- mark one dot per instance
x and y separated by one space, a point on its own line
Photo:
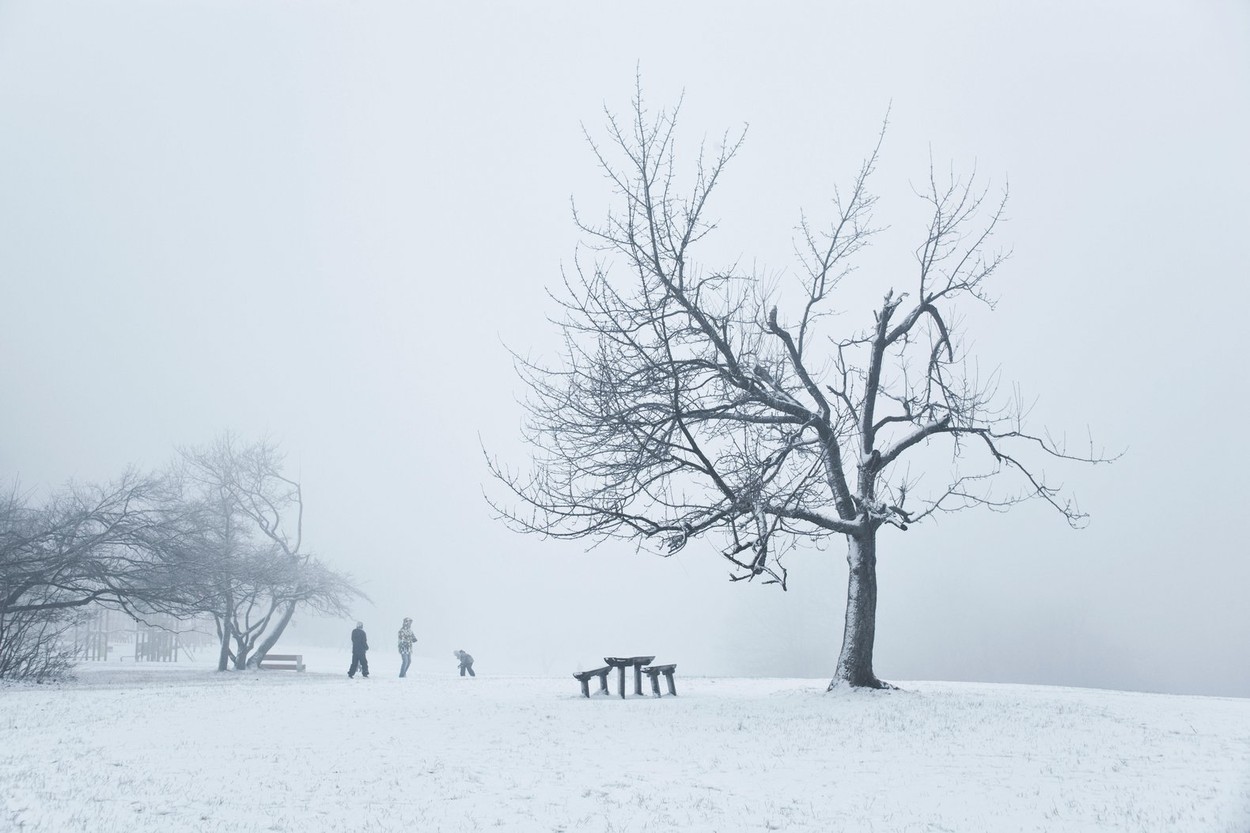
360 645
466 663
406 638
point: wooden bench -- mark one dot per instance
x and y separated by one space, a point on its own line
621 663
654 673
282 662
583 677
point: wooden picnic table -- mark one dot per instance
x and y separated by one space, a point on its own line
621 663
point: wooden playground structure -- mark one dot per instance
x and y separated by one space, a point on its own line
106 634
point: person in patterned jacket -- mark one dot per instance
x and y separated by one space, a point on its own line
406 638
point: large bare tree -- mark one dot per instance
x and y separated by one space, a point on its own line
687 403
248 557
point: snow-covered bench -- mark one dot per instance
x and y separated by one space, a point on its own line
282 662
654 673
583 677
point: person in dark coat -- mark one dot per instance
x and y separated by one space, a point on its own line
360 644
466 663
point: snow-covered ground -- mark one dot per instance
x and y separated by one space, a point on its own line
133 749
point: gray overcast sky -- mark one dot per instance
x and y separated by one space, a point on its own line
324 221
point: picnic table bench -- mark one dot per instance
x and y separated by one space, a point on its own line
282 662
583 677
654 673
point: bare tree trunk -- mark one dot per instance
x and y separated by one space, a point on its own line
223 658
855 661
272 639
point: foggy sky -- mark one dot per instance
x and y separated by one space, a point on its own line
323 222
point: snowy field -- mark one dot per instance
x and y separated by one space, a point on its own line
184 749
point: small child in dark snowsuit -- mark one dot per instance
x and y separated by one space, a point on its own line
466 663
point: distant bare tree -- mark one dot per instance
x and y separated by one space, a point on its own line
248 557
220 534
686 403
84 544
